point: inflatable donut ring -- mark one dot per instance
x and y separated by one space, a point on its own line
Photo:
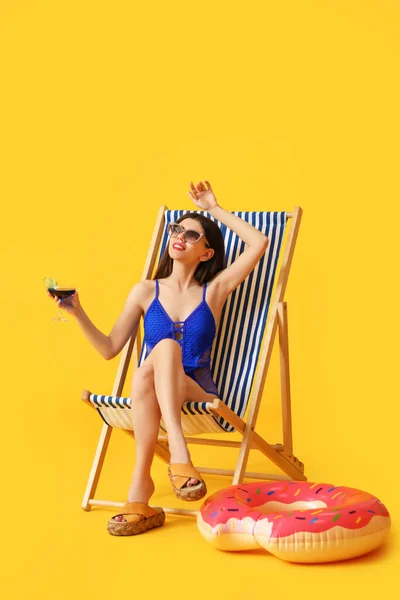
297 521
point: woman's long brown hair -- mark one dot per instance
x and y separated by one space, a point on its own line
206 270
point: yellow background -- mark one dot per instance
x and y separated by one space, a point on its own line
110 109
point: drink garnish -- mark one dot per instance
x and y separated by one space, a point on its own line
49 282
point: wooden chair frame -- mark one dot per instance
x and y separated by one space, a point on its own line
280 454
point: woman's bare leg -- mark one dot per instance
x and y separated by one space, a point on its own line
171 389
164 364
145 414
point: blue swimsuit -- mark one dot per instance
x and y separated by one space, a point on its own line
195 335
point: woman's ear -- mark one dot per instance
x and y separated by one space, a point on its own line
207 255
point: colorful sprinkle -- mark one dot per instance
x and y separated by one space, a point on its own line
318 491
271 492
233 510
301 518
358 520
258 491
248 499
371 511
352 512
278 517
338 494
331 490
214 513
317 511
313 485
297 492
313 520
335 518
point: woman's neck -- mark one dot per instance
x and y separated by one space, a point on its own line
182 276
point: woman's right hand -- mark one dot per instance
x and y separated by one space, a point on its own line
71 304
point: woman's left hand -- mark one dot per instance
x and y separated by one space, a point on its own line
203 196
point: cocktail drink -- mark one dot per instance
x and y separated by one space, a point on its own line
59 291
62 292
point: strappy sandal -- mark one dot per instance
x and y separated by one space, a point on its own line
179 474
149 517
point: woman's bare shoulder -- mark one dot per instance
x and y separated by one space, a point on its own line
142 291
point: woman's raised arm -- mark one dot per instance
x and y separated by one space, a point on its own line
257 243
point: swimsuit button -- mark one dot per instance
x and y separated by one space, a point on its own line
178 335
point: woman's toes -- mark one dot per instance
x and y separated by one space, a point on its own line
192 482
120 518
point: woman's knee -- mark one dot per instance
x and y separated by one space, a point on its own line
168 345
143 381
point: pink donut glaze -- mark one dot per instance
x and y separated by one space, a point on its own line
348 507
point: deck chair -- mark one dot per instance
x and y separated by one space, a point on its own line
240 358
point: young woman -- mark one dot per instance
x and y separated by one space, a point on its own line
181 307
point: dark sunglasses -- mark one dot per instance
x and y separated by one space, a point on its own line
189 235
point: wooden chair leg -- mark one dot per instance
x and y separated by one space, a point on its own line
241 464
289 464
285 378
97 466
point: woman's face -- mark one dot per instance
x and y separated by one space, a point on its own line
182 250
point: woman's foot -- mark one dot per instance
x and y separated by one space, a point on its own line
141 490
182 456
180 474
